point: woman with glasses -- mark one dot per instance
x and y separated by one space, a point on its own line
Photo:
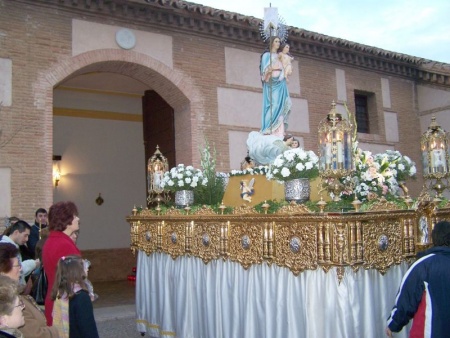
35 322
11 307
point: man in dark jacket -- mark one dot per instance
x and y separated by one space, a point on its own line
40 222
424 293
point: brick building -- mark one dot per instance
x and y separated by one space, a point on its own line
102 82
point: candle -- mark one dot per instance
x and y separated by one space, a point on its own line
328 153
340 152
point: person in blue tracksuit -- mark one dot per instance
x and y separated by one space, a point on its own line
424 293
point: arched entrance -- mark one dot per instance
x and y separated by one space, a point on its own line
98 154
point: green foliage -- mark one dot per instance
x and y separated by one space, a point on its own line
212 193
443 203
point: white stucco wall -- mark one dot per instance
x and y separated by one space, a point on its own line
104 156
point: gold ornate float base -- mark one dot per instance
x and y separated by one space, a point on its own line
293 238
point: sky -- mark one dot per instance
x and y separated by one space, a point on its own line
418 28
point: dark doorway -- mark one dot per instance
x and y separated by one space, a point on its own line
159 127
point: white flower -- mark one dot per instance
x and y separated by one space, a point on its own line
285 172
401 166
180 183
289 155
412 171
300 167
308 165
279 162
302 155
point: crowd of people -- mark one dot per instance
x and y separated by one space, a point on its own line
49 245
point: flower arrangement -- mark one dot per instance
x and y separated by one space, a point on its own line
378 175
260 170
183 177
401 166
292 164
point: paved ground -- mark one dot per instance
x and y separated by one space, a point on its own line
116 322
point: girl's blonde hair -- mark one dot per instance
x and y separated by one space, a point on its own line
69 272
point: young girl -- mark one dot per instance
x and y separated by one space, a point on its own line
73 313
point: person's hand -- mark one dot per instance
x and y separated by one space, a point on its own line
388 332
38 263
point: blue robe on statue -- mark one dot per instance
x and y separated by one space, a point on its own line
275 94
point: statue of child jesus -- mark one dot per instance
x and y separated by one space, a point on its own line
286 60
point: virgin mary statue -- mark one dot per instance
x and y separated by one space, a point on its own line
264 146
276 101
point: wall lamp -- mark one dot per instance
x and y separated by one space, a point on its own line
56 169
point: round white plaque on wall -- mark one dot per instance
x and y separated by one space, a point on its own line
125 38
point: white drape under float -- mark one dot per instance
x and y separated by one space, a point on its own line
186 298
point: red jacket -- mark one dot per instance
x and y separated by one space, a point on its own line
58 244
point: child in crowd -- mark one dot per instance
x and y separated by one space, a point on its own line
87 265
73 313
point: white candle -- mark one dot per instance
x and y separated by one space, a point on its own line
438 158
340 153
328 153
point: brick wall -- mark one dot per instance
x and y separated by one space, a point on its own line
38 41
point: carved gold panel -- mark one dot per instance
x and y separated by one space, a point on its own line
148 237
245 243
382 243
173 236
296 246
206 240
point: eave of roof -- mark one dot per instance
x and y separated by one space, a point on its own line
224 25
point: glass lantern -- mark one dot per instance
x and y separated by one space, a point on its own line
157 165
336 159
435 157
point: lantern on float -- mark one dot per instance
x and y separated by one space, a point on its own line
336 159
157 165
435 157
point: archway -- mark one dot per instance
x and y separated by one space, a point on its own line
105 225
